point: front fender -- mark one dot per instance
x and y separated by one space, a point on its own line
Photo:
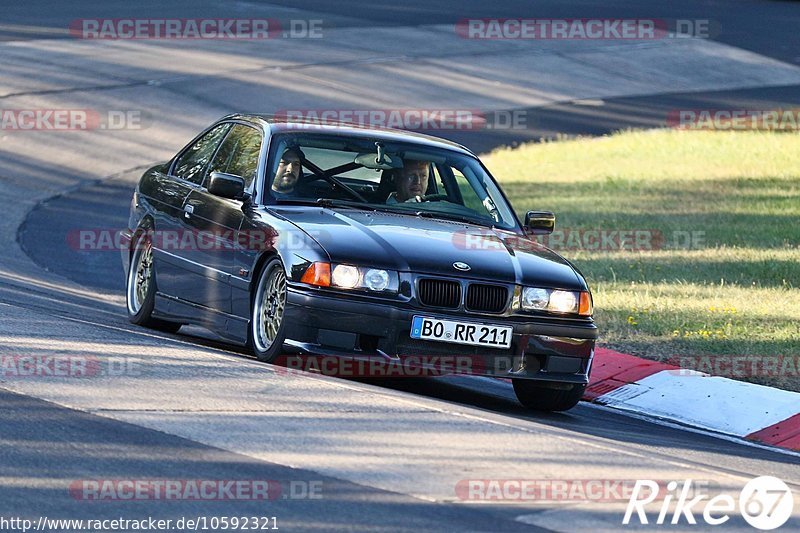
264 235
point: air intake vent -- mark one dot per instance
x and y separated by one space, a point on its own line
486 298
439 293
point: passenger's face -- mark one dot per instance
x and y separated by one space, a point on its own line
288 172
411 180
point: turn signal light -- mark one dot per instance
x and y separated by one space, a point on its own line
585 307
318 274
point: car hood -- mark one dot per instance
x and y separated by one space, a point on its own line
424 245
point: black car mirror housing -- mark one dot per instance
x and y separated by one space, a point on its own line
540 222
226 186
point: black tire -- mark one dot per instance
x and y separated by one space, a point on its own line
267 329
539 397
140 301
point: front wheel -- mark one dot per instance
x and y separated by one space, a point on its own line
539 396
141 289
267 327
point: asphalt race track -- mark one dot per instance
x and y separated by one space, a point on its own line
388 455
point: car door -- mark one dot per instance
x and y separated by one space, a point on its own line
216 220
184 174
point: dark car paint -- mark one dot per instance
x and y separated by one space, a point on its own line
212 288
383 240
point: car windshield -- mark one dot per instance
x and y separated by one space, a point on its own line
346 172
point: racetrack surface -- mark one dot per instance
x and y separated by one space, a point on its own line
389 454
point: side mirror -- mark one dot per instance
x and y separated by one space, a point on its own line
540 222
226 185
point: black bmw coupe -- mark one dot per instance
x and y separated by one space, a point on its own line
356 243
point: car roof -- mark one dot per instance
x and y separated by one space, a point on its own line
277 124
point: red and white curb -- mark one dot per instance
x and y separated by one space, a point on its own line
753 412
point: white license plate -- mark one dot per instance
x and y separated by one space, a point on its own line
433 329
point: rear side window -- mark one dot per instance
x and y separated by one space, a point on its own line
192 162
239 153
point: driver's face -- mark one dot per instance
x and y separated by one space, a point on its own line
288 172
412 180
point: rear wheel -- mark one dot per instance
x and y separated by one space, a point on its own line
540 396
267 326
141 288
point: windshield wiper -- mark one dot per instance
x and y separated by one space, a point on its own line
325 202
447 216
347 204
452 216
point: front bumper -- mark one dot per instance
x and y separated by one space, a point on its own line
551 350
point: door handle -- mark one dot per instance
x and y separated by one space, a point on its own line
188 209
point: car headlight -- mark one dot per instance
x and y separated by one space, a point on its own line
563 302
556 301
343 276
533 298
376 279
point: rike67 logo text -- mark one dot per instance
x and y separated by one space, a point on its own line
765 503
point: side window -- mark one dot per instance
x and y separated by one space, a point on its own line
192 163
238 153
436 180
468 193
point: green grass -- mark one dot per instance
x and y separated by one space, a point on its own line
732 291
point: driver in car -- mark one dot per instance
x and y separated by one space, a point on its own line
288 171
410 182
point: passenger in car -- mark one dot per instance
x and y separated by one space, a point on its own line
411 182
289 170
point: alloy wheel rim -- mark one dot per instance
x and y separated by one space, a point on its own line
139 278
270 305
